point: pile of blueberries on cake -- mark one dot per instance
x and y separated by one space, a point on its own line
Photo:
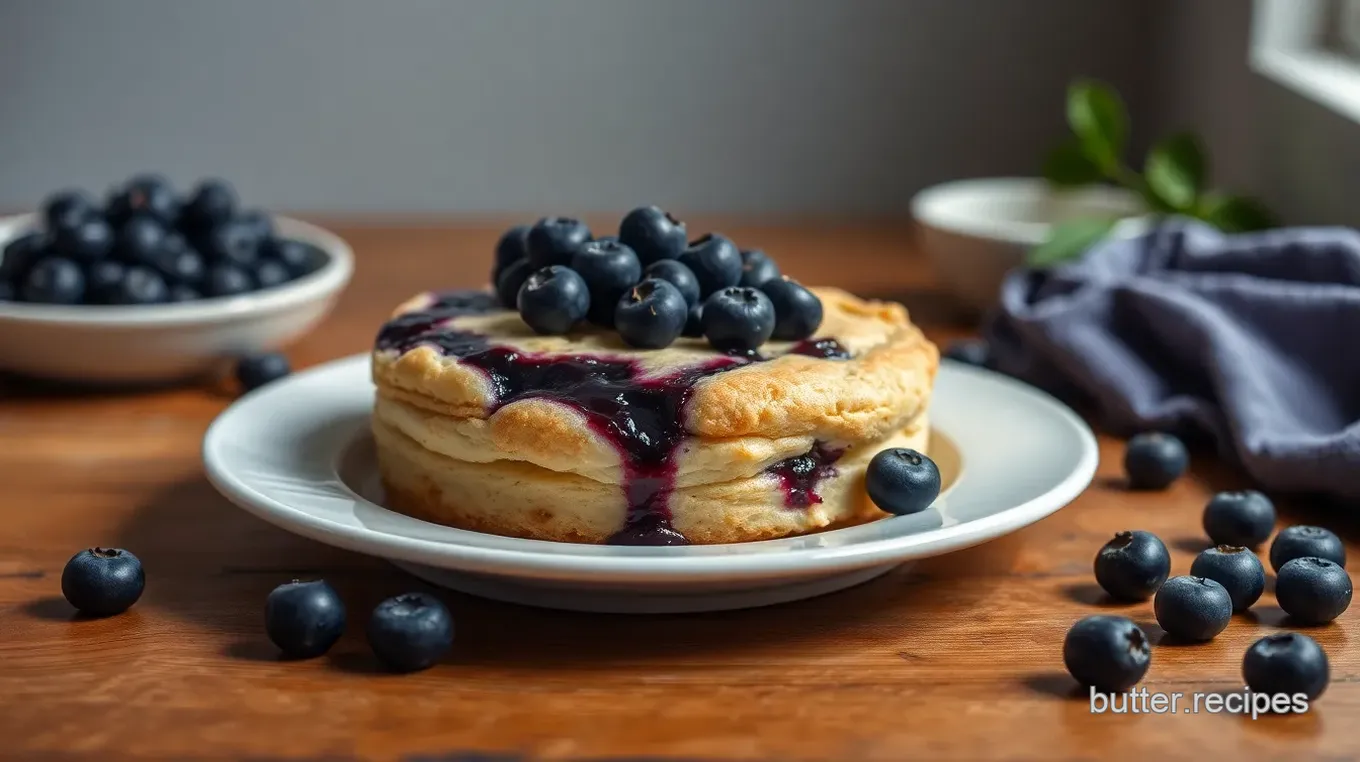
650 283
148 245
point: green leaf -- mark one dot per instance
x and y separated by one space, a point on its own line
1176 169
1069 240
1068 165
1236 214
1097 116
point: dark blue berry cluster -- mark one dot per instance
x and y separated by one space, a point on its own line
146 244
650 283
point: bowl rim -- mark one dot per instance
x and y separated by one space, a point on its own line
325 281
934 206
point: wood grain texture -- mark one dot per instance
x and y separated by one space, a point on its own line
956 658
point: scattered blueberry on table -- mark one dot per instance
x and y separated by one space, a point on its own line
255 371
304 619
1301 540
902 481
1132 566
148 245
410 632
1192 608
1288 663
1108 653
1154 460
1237 569
1244 519
103 581
1312 590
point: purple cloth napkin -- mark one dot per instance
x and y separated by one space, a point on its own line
1251 339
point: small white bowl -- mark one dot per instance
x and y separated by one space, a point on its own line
974 231
167 342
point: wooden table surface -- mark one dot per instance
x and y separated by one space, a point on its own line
957 658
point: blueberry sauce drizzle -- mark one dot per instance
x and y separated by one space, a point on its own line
641 416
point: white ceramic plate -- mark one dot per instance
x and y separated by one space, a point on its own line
298 454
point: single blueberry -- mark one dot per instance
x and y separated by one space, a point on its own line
146 196
1154 460
20 254
797 311
213 202
257 222
255 371
757 268
609 269
715 261
185 266
511 248
651 314
90 240
68 209
1192 608
1132 565
738 319
902 481
182 293
553 240
54 280
975 352
270 273
141 241
410 632
1237 569
553 299
1313 590
677 275
304 619
694 324
1286 663
101 279
140 285
1108 653
1301 540
509 282
227 280
1244 519
235 243
103 581
654 234
300 258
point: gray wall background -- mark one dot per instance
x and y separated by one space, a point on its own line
752 106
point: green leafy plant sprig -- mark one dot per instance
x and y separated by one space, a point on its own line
1174 178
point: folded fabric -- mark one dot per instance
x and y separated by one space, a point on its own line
1251 339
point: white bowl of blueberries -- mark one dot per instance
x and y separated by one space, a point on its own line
152 286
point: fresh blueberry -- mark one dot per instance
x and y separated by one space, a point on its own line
651 315
1108 653
609 269
738 319
975 352
653 234
304 619
54 280
677 275
235 243
410 632
101 279
183 266
902 481
553 299
182 293
1301 540
1237 569
511 248
140 285
797 311
715 262
212 203
145 195
270 273
1132 566
141 241
102 581
553 240
300 258
1313 590
1154 460
510 281
257 222
255 371
1192 608
227 280
88 241
757 268
1286 663
1244 518
66 210
694 324
20 254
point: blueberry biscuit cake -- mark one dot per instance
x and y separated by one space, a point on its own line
523 412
